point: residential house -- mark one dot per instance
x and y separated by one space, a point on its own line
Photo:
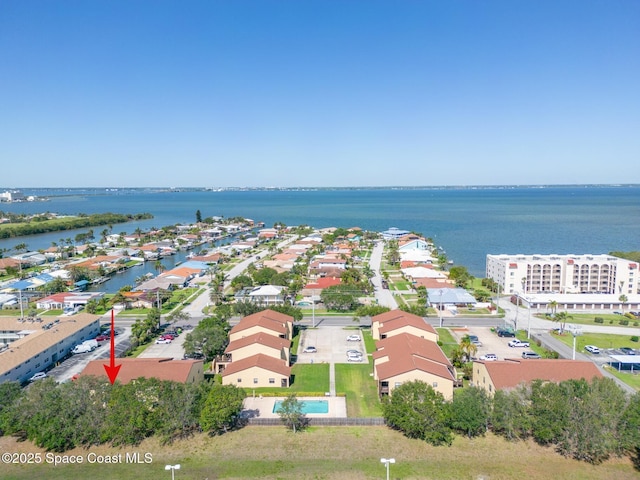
394 322
259 343
257 371
268 321
510 373
182 371
405 358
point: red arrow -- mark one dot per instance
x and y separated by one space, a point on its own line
112 369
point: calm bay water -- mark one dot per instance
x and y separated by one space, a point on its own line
467 223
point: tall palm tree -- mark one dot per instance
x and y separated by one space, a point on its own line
562 319
468 347
159 266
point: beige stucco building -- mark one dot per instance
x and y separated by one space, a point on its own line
405 357
397 322
257 371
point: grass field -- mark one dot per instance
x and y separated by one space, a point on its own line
328 453
601 340
588 319
358 384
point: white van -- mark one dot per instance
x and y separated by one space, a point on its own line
82 348
93 343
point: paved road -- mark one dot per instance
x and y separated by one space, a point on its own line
383 296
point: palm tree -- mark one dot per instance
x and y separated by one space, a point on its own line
562 319
553 305
159 266
468 347
623 299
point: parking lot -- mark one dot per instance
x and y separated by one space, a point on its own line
491 342
331 344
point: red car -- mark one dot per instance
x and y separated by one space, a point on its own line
102 337
167 336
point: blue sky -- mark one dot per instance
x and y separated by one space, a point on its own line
319 93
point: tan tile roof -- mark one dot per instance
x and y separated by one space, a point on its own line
261 338
260 360
510 373
132 368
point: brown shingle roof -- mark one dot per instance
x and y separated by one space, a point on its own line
406 353
397 318
265 362
268 319
132 368
512 372
261 338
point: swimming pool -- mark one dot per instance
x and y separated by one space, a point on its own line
308 406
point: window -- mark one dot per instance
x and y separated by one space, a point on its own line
397 384
435 384
255 381
272 380
239 380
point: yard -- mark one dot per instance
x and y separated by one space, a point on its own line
360 388
329 453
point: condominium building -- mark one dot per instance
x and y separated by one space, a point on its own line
534 274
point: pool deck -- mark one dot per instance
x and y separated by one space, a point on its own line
262 407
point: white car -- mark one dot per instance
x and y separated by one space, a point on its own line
163 340
354 358
353 338
489 357
518 343
309 349
38 376
592 349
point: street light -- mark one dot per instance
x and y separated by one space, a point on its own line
440 309
173 468
529 319
386 462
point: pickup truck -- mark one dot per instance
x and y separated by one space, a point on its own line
518 343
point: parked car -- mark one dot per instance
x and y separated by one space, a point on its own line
505 332
628 351
475 340
489 357
518 343
167 336
354 358
38 376
592 349
309 349
163 340
102 337
354 338
530 355
354 352
193 356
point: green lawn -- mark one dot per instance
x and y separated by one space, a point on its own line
360 388
601 340
589 319
631 379
448 342
308 378
369 342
